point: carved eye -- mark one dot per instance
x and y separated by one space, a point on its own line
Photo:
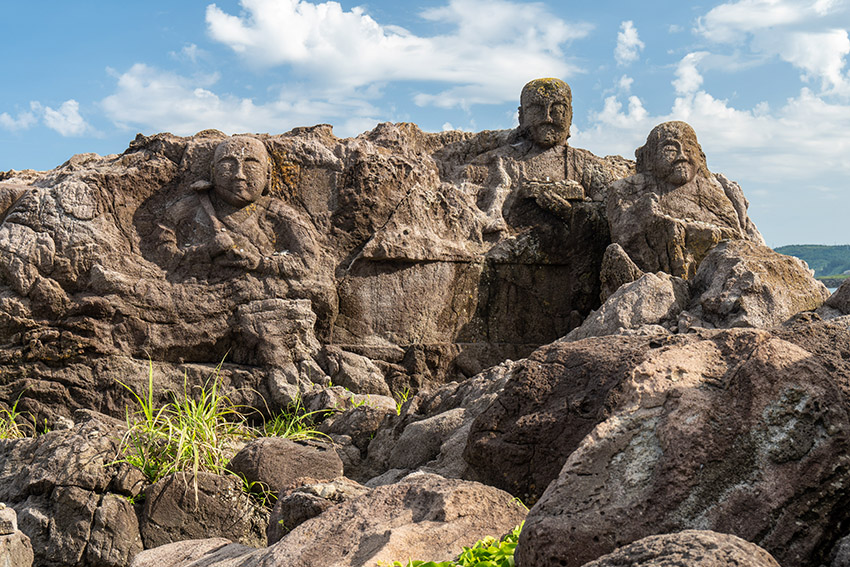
559 110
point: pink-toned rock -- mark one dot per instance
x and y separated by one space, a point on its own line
737 431
693 548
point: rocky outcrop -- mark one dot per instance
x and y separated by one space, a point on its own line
392 260
741 284
736 431
185 506
423 516
71 499
689 547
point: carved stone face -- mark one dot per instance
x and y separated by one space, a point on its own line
674 162
545 112
672 154
240 171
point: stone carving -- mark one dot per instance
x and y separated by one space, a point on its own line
231 225
669 215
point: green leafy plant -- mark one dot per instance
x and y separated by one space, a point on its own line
294 423
487 552
400 398
11 426
190 433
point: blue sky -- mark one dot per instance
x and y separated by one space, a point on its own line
765 83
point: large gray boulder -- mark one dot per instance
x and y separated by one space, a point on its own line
274 463
651 303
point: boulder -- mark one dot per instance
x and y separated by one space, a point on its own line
742 284
617 270
736 431
296 506
693 548
274 463
653 300
548 404
424 516
183 552
185 506
431 430
840 299
70 496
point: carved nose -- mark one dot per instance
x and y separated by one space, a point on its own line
240 171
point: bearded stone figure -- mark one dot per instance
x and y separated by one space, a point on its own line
669 215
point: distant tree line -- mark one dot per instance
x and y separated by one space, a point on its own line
824 260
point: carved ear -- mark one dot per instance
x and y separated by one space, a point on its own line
519 112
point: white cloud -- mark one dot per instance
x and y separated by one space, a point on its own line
625 83
495 46
149 98
23 121
758 145
629 44
688 77
819 54
66 119
799 32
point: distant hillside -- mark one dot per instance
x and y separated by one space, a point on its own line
824 260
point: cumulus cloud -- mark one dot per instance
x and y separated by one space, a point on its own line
629 44
23 121
66 119
760 145
799 32
495 46
151 98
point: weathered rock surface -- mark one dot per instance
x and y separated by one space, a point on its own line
423 516
654 300
297 505
274 463
738 432
689 547
60 482
185 506
183 552
15 546
741 284
16 550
